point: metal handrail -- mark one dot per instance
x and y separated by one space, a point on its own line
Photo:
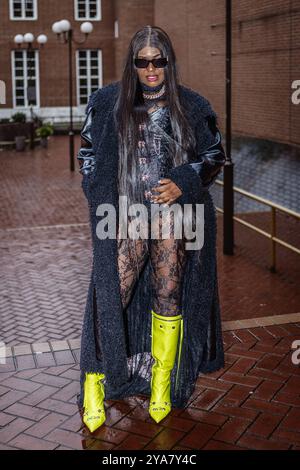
272 235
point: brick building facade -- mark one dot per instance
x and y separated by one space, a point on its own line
46 68
265 63
265 60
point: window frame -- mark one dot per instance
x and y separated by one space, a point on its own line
26 78
97 18
23 18
88 76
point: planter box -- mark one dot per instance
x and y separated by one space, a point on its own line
8 131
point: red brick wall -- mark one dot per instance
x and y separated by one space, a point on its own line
266 39
132 15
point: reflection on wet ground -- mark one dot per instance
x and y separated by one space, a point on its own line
265 168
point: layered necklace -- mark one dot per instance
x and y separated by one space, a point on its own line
153 94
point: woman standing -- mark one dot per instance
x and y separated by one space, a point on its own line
152 318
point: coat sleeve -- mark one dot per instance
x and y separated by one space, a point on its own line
86 156
197 176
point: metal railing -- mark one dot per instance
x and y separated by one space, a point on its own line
272 234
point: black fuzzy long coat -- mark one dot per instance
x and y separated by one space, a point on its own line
118 342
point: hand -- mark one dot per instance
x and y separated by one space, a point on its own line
168 190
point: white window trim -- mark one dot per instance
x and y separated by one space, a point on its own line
98 17
100 81
23 18
52 114
14 78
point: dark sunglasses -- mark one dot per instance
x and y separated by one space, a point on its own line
157 63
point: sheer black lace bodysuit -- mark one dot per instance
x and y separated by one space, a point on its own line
167 256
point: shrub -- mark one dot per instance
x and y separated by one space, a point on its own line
45 130
19 117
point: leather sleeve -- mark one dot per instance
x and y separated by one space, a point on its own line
210 162
86 156
197 176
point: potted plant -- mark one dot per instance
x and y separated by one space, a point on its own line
20 142
44 132
20 138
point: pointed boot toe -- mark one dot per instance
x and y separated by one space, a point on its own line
95 421
158 411
94 411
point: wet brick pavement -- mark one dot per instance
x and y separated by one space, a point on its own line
267 169
253 403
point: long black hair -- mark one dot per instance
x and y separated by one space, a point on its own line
131 112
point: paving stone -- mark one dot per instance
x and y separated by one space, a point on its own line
26 411
41 347
49 379
104 433
67 438
292 420
22 350
266 390
64 357
265 424
139 427
45 359
232 430
23 441
165 440
34 398
274 408
132 442
199 436
10 397
207 399
14 428
22 384
47 424
25 362
254 442
58 406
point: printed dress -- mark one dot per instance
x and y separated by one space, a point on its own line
167 258
153 151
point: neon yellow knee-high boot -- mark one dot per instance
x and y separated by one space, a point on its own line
94 412
165 334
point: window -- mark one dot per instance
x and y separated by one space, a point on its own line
23 9
25 78
87 10
89 73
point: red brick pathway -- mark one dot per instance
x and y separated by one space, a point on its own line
45 253
247 287
253 403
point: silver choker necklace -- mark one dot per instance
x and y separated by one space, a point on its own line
155 95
